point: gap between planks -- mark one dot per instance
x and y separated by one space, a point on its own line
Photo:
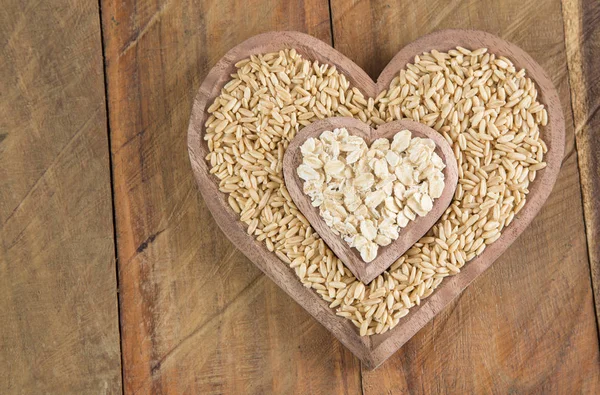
331 24
112 189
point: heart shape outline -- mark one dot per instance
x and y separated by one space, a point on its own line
375 349
410 234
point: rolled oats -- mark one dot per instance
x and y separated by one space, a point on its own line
367 194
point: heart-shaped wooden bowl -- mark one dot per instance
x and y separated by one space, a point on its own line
372 350
409 235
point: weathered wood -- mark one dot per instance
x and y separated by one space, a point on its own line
58 296
528 323
374 350
582 41
197 316
410 234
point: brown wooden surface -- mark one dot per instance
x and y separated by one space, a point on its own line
528 323
58 304
582 39
410 234
198 317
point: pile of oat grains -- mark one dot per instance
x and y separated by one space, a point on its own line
485 108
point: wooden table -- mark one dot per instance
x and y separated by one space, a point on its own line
114 276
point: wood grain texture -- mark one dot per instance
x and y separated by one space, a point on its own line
377 348
58 298
197 316
410 234
582 40
528 323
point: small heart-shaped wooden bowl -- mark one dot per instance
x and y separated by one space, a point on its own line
372 350
366 272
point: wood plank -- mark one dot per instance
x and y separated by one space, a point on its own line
58 299
582 40
197 316
528 323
